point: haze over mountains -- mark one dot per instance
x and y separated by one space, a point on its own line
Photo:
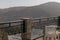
43 10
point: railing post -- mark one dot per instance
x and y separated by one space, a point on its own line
26 29
59 22
3 34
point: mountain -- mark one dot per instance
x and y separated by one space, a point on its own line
52 8
43 10
10 13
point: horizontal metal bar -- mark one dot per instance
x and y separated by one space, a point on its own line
38 37
11 22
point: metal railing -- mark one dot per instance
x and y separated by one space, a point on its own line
12 28
15 28
40 23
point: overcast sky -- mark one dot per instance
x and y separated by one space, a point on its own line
12 3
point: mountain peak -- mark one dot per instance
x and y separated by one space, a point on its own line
51 3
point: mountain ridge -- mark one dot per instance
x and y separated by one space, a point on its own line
43 10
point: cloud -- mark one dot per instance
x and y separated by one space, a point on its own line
11 3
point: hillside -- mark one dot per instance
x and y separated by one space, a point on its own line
43 10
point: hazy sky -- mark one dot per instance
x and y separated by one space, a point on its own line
12 3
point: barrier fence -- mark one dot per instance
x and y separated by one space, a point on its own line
30 29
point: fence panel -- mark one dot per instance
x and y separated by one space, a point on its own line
26 29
